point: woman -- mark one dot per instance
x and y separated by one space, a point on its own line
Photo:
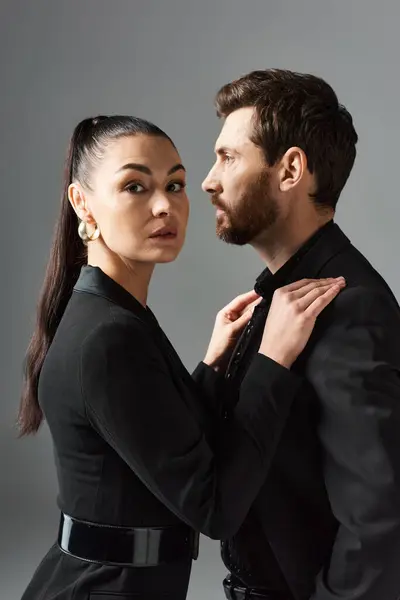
143 457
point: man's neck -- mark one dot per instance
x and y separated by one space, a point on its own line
279 245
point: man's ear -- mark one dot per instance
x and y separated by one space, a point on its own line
293 166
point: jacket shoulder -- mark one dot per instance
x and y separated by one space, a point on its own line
365 286
117 327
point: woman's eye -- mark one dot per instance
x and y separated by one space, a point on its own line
176 186
135 188
227 158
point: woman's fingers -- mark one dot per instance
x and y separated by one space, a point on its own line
297 289
245 317
302 283
238 304
252 305
310 285
316 292
292 318
322 301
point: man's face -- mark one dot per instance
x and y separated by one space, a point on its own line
240 183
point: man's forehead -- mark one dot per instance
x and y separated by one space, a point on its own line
236 129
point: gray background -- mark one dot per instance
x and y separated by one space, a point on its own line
65 60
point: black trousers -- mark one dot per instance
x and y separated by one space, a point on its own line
63 577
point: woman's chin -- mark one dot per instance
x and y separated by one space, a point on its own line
166 256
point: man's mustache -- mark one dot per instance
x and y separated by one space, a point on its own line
215 201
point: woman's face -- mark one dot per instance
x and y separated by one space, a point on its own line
138 199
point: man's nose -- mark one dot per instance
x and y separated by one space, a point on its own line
211 185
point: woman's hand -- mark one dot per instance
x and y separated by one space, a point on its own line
292 317
229 323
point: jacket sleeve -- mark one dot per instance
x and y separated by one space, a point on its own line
212 387
355 370
143 413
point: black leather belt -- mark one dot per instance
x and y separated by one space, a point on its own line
127 546
233 591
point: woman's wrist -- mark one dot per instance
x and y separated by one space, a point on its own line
277 357
212 362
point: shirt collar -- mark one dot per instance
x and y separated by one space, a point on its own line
93 280
306 262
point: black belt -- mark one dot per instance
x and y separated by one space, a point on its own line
233 591
127 546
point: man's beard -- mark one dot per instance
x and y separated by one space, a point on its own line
256 211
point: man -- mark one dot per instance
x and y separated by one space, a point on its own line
326 523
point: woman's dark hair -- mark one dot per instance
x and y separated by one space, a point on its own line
68 254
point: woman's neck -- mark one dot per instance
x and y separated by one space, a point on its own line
133 276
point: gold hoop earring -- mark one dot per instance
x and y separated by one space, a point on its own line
83 234
93 236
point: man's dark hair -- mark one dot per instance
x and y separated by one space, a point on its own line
296 109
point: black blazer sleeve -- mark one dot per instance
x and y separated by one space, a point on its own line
136 405
211 385
355 370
